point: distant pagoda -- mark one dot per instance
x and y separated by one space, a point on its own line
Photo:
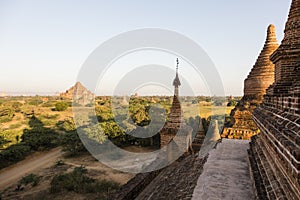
79 94
259 79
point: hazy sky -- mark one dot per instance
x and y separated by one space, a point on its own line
43 44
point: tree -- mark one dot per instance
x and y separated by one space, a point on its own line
71 143
2 141
61 106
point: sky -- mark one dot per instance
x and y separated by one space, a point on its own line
44 43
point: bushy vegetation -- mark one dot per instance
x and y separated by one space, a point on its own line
6 114
3 141
30 179
61 106
13 154
77 181
36 138
66 125
232 102
31 126
71 143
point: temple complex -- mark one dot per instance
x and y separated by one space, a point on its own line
259 79
79 94
275 153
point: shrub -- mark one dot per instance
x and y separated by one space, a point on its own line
78 182
13 154
71 143
61 106
6 114
31 178
59 163
3 141
40 138
67 125
35 102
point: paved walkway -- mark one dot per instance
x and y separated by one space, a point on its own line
226 174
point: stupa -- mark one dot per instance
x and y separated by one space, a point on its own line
259 79
275 153
175 118
199 138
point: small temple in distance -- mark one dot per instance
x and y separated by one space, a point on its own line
259 79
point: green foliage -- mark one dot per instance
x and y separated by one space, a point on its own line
232 103
3 141
40 138
71 143
6 114
16 106
36 138
31 178
48 104
104 113
98 133
66 125
139 111
61 106
10 136
13 154
35 102
79 182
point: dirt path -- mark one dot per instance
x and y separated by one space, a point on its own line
13 173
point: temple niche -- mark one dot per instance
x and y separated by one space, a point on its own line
259 79
275 153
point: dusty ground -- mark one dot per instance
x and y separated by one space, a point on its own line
43 165
38 160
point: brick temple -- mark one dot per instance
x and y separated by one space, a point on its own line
79 94
175 121
259 79
275 153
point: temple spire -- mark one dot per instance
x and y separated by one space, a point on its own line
176 82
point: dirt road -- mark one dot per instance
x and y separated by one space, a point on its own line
39 160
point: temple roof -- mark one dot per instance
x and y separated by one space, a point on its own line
290 45
262 73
